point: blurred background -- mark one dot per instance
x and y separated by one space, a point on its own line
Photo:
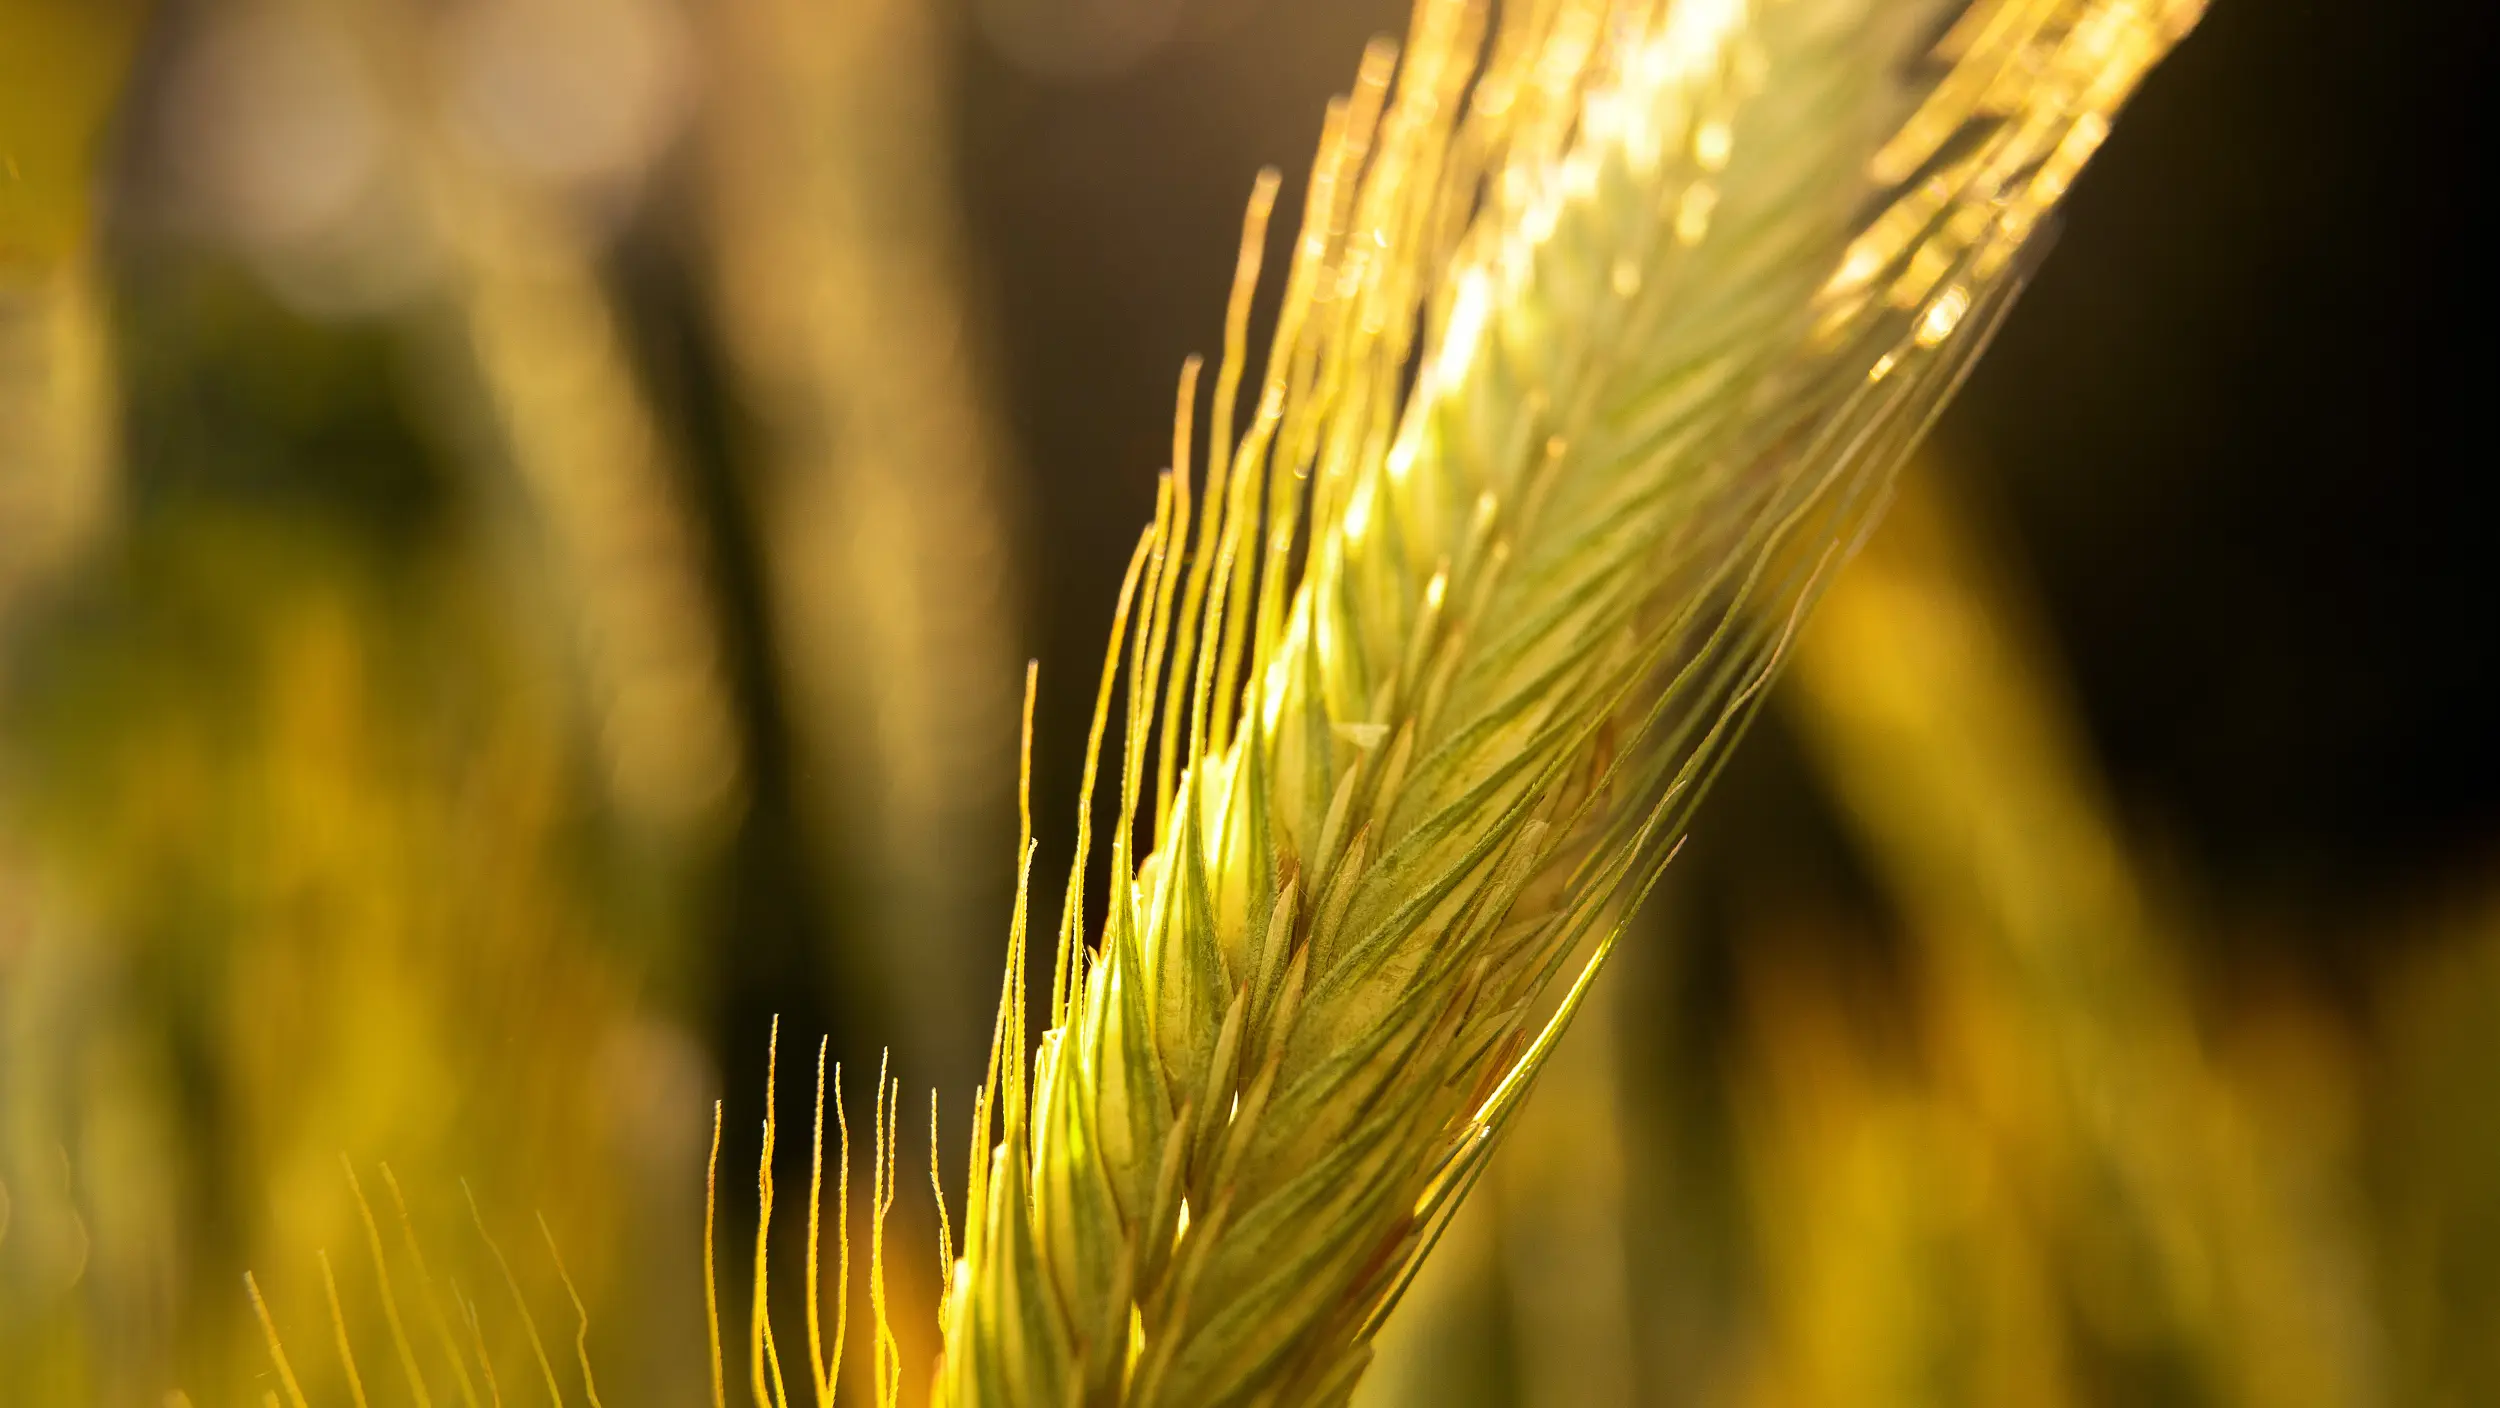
520 522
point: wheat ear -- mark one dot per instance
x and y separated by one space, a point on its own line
1598 345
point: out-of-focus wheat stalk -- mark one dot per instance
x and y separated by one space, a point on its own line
61 70
2173 1225
1680 284
2435 1147
311 912
1891 1261
623 559
835 269
56 421
563 412
299 827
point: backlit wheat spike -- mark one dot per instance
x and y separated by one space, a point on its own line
1599 342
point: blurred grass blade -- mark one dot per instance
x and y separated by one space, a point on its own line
2053 986
837 279
565 415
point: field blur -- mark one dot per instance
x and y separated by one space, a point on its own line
520 528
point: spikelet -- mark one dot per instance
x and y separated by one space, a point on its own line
1600 340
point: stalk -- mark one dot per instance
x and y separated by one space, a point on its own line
1601 338
2047 965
